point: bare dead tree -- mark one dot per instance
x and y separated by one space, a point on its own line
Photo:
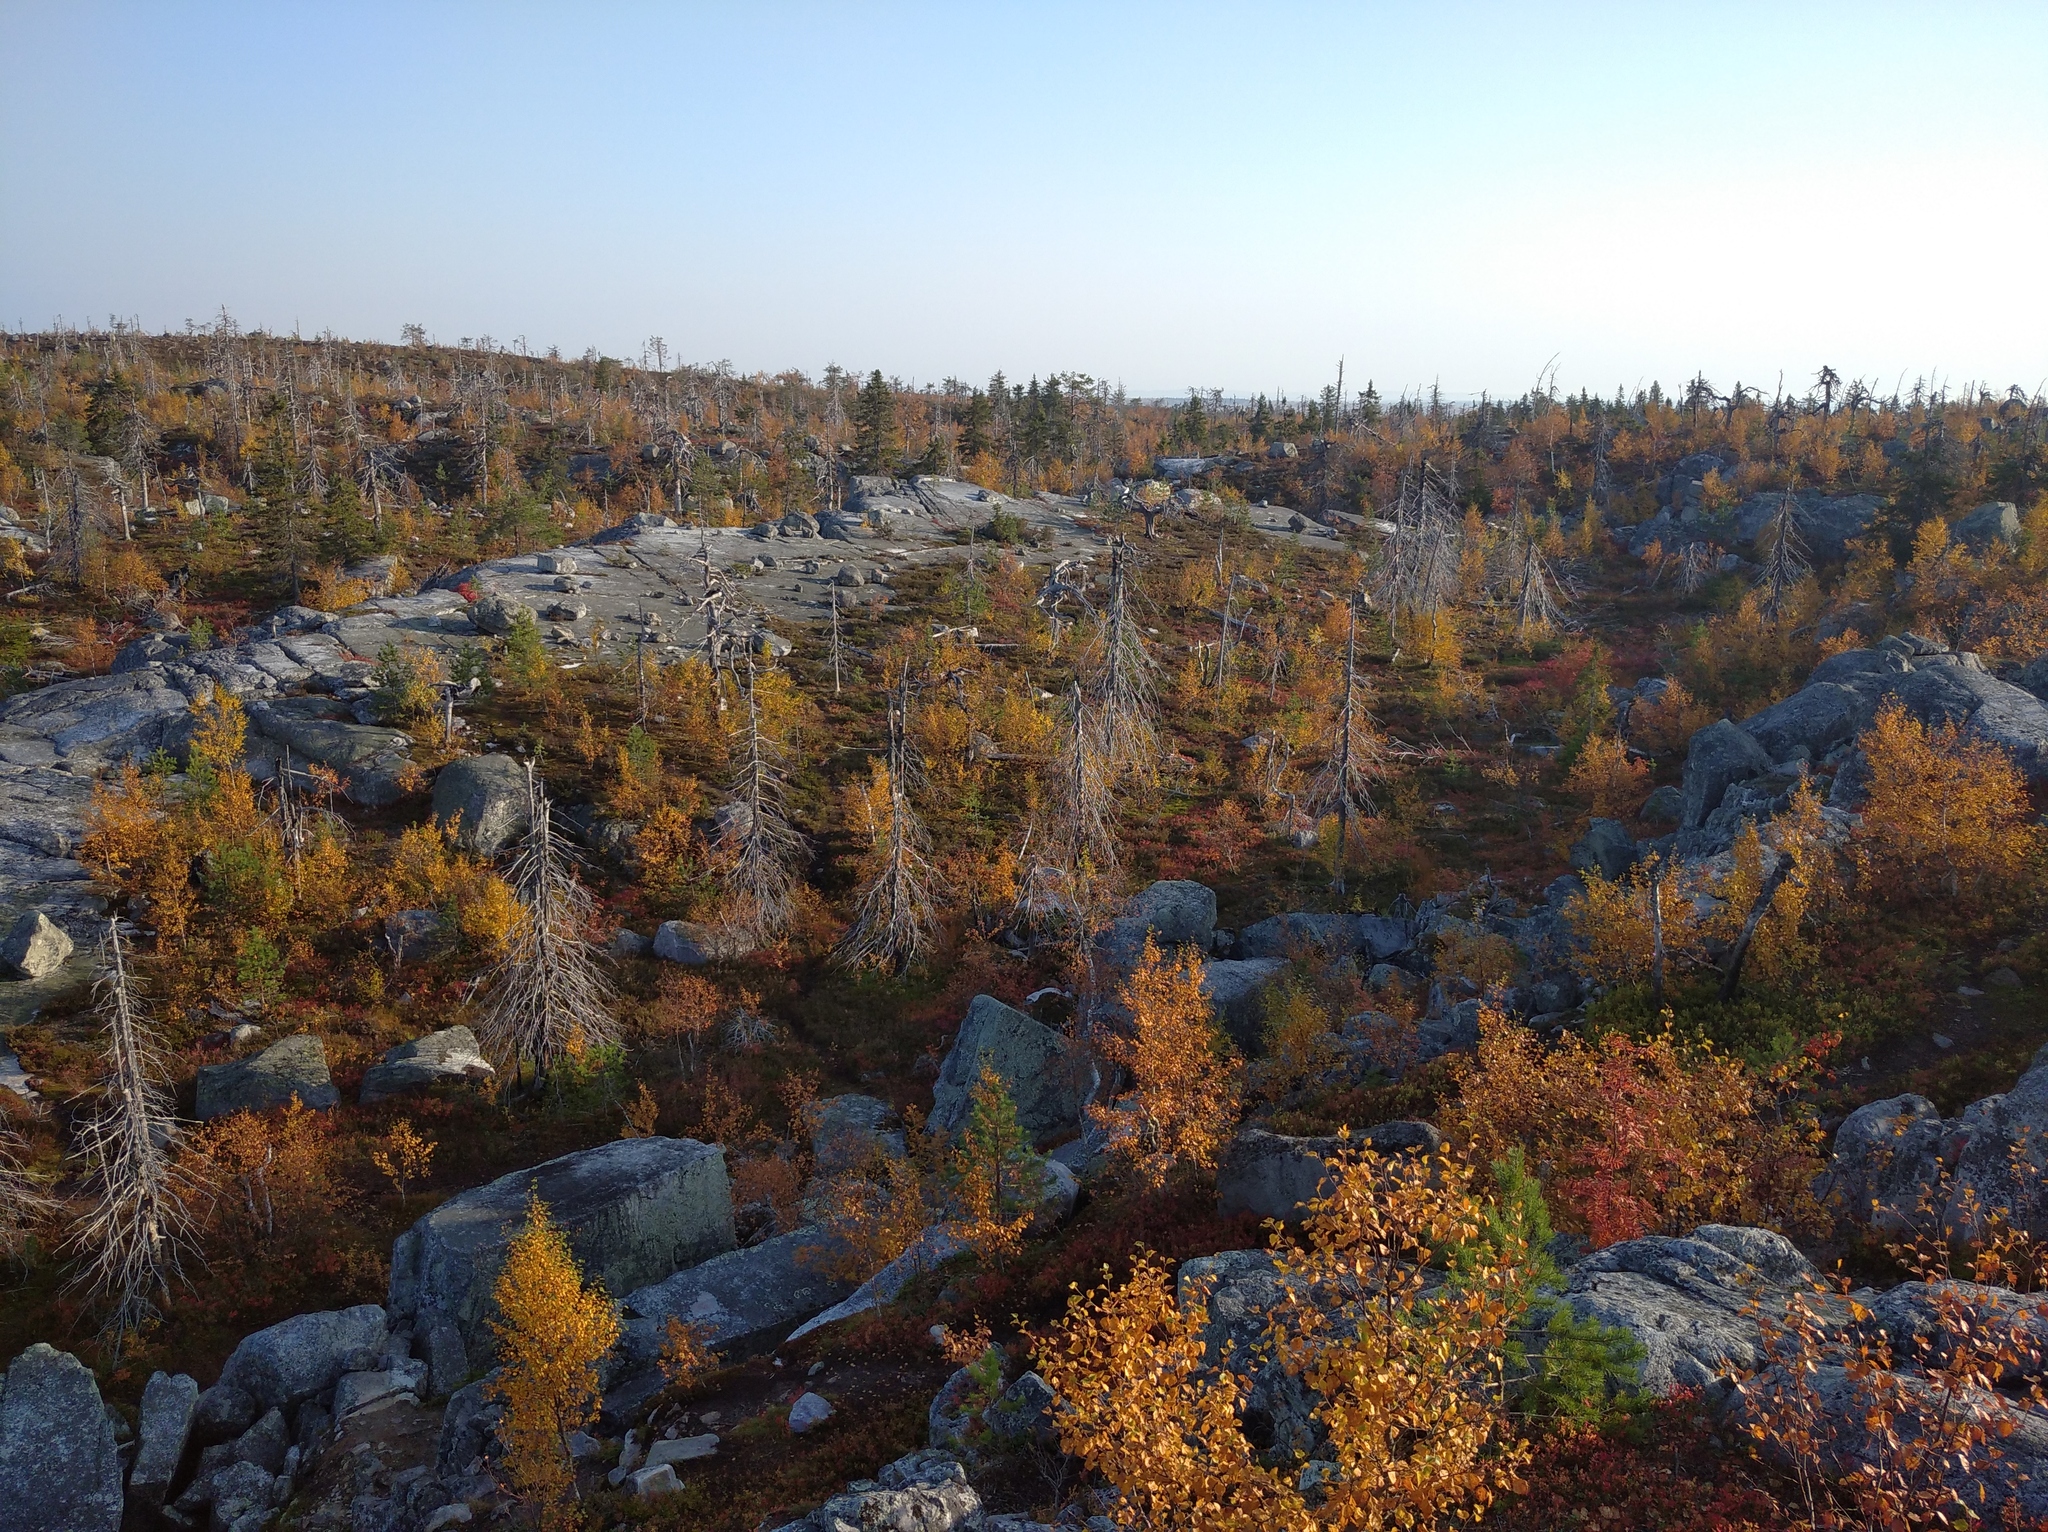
1354 755
1524 577
23 1204
1696 563
1120 675
1421 558
893 923
1066 583
546 1000
133 1242
756 841
1785 561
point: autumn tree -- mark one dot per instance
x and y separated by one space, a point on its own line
1354 754
132 1242
553 1331
545 1001
1120 676
756 841
1181 1104
993 1177
1411 1426
1947 815
893 922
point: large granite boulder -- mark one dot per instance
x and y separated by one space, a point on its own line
634 1211
1236 988
1048 1076
1606 848
59 1470
1271 1175
1887 1162
1174 912
305 1355
165 1427
294 1066
694 942
850 1131
485 798
495 613
374 762
1693 1303
924 1492
108 720
35 948
1281 936
1719 756
1990 524
735 1298
1826 523
450 1055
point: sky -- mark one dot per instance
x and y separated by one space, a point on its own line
1235 197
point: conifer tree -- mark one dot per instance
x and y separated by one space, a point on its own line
133 1241
280 475
545 1001
876 440
1120 678
994 1175
756 841
1354 757
1785 562
892 923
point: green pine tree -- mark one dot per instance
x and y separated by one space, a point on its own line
876 441
976 428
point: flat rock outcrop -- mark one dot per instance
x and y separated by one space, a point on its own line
635 1211
735 1298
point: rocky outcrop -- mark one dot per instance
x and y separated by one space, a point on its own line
1989 525
1174 913
59 1469
305 1355
1693 1303
634 1211
1898 1165
735 1298
924 1492
1236 988
296 1066
450 1056
693 942
1047 1075
1376 937
1606 848
851 1131
485 798
1270 1175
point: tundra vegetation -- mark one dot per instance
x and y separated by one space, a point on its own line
1460 667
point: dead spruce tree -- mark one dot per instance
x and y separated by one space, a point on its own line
545 1001
755 840
1524 582
1785 562
1119 688
133 1241
893 924
1354 755
1421 557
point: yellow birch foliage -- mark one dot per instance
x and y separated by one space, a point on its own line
1946 814
1605 773
1614 921
1405 1370
1182 1103
552 1331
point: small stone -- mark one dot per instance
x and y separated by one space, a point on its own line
582 1445
649 1482
816 1368
710 1417
1941 1040
1967 992
2003 978
809 1412
684 1449
452 1515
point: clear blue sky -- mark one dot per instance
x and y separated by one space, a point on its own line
1167 196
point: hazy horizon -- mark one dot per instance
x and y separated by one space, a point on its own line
1161 198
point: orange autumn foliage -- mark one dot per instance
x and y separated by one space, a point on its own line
1181 1106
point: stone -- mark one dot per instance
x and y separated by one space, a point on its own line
1827 523
264 1443
294 1066
555 563
454 1514
924 1491
448 1056
1719 756
634 1211
849 576
682 1449
1606 848
1271 1175
850 1131
1998 1149
1236 988
222 1413
1281 936
485 798
306 1354
242 1493
1048 1076
497 614
469 1430
415 933
808 1413
59 1468
1177 912
35 948
931 1249
1023 1410
1693 1303
1814 719
650 1483
1665 806
734 1298
2003 978
169 1402
446 1357
1997 521
693 942
378 572
1887 1160
630 944
359 1390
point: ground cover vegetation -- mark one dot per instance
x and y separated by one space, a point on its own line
954 794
